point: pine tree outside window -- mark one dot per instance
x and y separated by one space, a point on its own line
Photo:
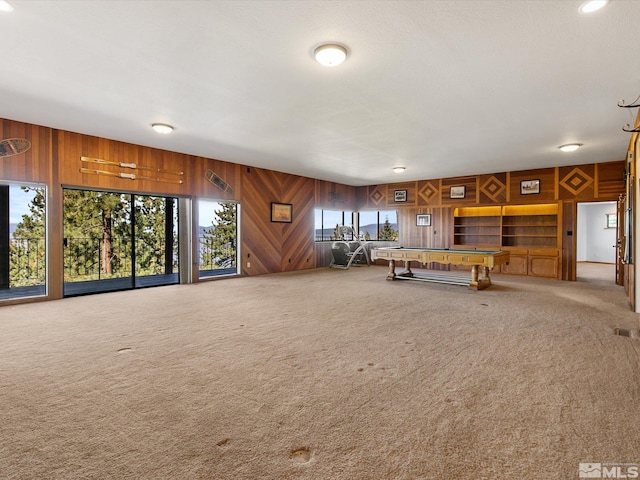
22 240
373 225
217 238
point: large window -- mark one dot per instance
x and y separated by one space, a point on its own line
116 241
327 221
22 241
217 238
381 225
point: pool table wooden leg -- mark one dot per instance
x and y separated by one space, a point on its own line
407 269
479 284
392 270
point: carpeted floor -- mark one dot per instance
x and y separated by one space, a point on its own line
324 374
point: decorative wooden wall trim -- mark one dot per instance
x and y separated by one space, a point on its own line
429 193
577 182
376 197
592 181
492 188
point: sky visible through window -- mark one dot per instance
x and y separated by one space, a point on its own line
18 203
206 212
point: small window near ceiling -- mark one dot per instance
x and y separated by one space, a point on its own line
612 220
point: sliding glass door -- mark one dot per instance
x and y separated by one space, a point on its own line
117 241
156 241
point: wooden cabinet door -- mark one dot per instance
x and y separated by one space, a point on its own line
517 265
543 266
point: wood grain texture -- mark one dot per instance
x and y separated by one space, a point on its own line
434 236
411 195
375 198
298 241
609 180
334 196
569 214
429 193
547 177
73 146
577 183
492 188
271 246
228 172
470 185
32 165
55 160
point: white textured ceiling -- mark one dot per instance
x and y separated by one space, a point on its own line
445 88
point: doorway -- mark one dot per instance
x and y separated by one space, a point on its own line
118 241
596 240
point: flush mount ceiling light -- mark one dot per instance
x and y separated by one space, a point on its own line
399 169
570 147
5 6
162 128
330 54
592 6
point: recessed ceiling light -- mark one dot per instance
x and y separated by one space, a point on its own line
570 147
399 169
5 6
592 6
330 54
162 128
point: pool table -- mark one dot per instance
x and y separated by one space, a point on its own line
483 260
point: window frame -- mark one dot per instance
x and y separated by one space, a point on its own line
355 221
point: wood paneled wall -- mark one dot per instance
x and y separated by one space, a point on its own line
434 236
55 160
269 247
71 147
584 183
230 173
35 164
566 185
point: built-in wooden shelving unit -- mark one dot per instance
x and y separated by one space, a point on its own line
529 232
530 225
477 226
